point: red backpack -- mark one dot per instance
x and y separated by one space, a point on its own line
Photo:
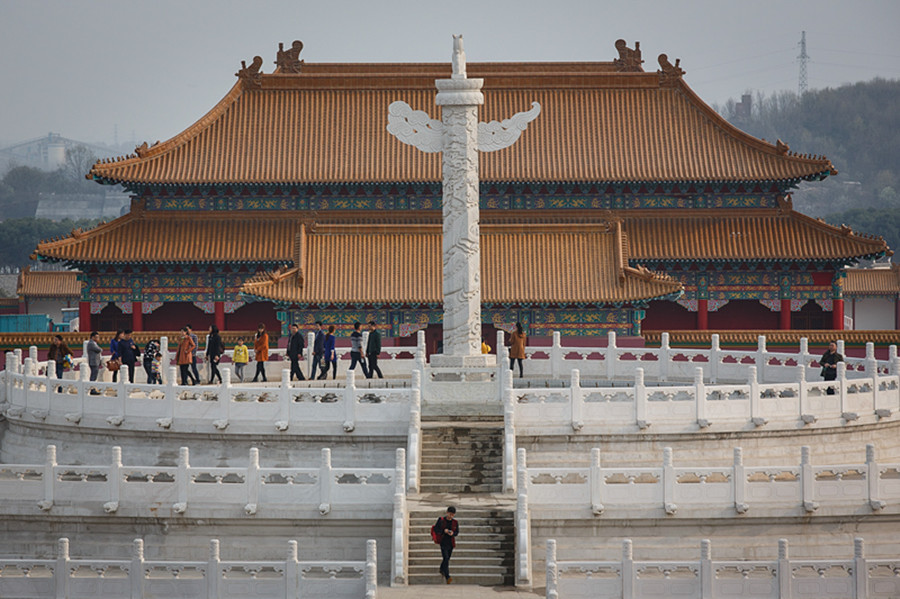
435 534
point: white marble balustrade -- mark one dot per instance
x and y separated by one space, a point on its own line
304 408
199 491
710 492
139 578
780 578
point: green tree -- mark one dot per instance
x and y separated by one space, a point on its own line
20 236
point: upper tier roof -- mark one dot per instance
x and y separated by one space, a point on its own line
328 124
521 264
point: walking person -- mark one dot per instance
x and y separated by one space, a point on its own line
356 356
517 342
57 354
318 350
330 354
261 352
114 360
373 350
240 358
829 362
184 356
445 531
94 359
194 373
129 352
214 350
295 351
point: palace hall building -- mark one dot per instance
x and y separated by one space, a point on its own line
627 205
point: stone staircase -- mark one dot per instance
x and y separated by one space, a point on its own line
462 465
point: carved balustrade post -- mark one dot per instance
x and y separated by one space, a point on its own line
739 480
668 472
62 571
325 482
628 574
700 398
804 356
136 573
841 381
523 542
224 400
803 397
807 481
165 359
509 437
308 352
27 369
49 478
762 358
612 356
18 354
556 356
253 483
182 480
576 400
371 568
860 569
114 481
840 346
553 574
400 527
663 360
714 358
292 570
414 440
892 361
421 354
873 478
503 370
50 375
784 575
33 353
706 570
350 402
596 482
756 416
213 570
640 399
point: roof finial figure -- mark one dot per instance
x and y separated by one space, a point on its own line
670 73
629 60
459 58
251 75
288 61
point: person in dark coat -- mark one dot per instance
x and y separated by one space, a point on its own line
373 350
447 529
330 354
194 373
129 352
356 356
214 350
57 354
151 352
829 362
318 350
114 351
295 351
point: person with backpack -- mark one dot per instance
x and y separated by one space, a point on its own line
295 352
444 533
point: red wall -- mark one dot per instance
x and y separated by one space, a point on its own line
173 315
248 317
742 315
668 316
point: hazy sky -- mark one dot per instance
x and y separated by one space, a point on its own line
152 68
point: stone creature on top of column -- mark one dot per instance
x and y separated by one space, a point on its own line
460 137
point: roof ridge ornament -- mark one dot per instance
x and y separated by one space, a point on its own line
669 73
781 147
629 61
288 61
250 76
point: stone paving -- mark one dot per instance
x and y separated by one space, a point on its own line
451 591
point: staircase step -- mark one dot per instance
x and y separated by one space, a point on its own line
487 580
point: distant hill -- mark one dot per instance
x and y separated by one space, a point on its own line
857 127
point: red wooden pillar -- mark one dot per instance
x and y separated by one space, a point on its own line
702 315
837 315
220 315
137 316
896 312
785 320
84 316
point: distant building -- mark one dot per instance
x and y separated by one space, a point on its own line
872 295
48 292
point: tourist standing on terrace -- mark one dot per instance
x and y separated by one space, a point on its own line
114 351
240 358
129 353
294 351
318 350
517 343
829 362
194 374
356 356
57 354
152 362
93 355
184 356
261 352
330 354
445 531
214 350
373 350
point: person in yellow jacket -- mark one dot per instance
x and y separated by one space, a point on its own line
485 348
240 359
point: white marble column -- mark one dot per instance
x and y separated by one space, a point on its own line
459 98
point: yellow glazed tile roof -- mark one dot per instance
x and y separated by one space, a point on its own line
872 281
39 283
